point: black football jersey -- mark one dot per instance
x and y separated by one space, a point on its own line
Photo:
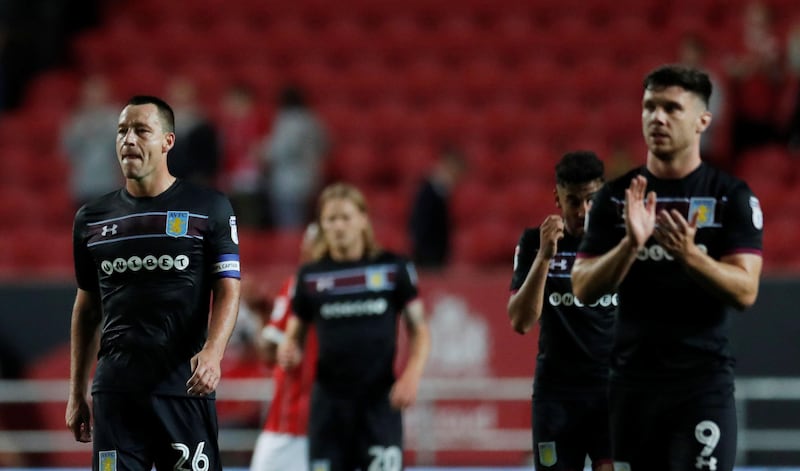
574 338
355 307
669 327
153 261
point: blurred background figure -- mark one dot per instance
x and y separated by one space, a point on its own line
693 52
88 141
196 155
793 68
242 125
430 222
756 79
295 149
283 442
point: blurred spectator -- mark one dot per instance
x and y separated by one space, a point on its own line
429 226
793 68
196 154
295 149
241 126
692 53
88 140
756 80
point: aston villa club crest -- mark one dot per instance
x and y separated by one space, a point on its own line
108 460
376 279
547 453
704 209
177 223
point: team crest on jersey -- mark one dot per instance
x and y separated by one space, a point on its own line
177 223
704 209
376 279
547 453
320 465
108 460
758 216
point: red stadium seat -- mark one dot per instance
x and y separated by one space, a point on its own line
772 162
488 242
41 250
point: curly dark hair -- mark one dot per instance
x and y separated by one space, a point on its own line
577 167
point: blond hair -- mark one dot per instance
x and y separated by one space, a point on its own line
344 191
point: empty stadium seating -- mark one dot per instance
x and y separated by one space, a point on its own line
514 84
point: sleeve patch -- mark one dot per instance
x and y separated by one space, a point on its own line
757 215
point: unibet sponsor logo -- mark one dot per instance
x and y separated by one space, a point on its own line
569 299
367 307
148 263
658 253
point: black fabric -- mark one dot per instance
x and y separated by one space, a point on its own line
574 339
355 307
154 262
138 431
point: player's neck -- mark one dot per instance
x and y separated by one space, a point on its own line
348 254
679 166
149 186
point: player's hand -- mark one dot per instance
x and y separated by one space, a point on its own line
640 211
289 354
206 373
404 392
675 233
550 232
79 419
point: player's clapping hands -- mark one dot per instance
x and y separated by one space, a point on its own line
640 211
675 233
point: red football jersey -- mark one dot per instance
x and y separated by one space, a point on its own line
288 412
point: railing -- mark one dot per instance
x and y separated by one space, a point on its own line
423 439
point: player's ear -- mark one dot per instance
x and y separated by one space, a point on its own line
169 142
555 197
703 121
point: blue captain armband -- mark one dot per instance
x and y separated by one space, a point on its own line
227 266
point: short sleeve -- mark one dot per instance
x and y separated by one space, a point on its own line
407 282
224 240
300 300
524 254
743 222
85 268
602 225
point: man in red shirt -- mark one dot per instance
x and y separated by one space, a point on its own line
282 444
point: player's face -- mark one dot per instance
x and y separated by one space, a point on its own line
142 144
672 120
343 224
575 200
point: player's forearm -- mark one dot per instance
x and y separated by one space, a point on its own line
419 345
594 277
525 306
224 310
84 338
296 330
735 282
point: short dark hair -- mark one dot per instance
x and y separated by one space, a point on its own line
164 110
579 167
688 78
